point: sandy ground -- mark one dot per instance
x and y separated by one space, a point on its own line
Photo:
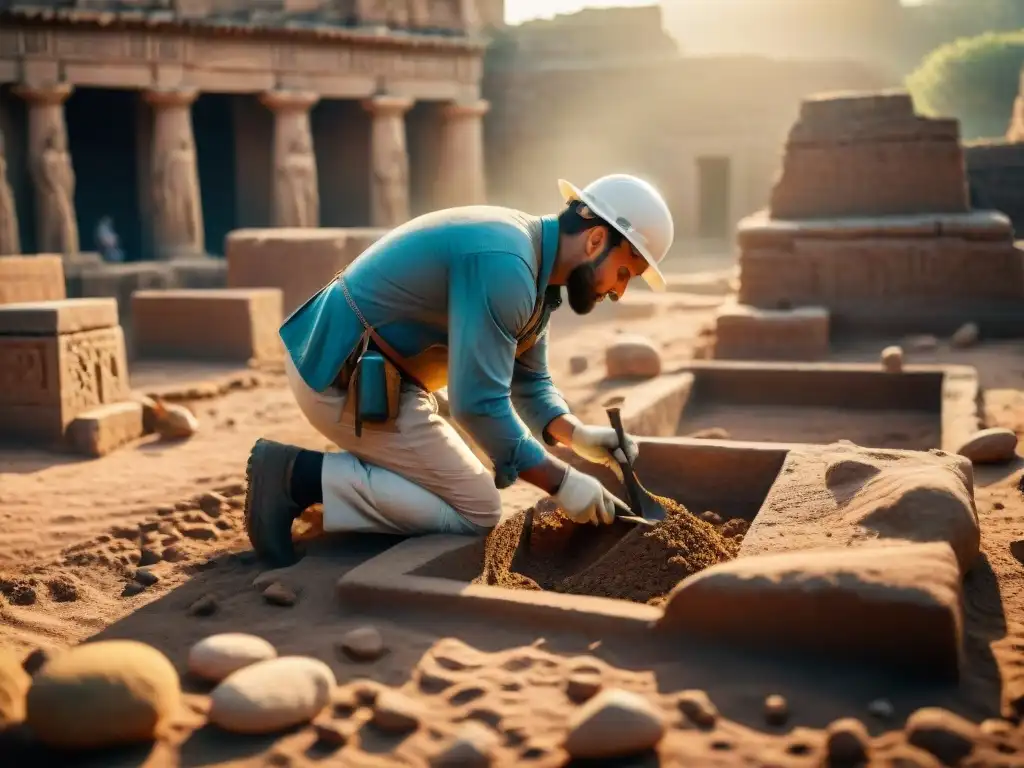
74 528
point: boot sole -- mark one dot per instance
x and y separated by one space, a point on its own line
263 541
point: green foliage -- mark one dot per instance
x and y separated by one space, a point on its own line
974 79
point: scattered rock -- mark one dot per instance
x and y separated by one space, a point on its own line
698 708
212 503
173 554
582 686
881 709
217 656
947 736
577 364
206 605
272 695
363 644
614 723
146 577
17 591
966 336
776 709
148 557
990 446
62 589
735 527
473 747
35 661
132 588
172 421
395 712
102 694
847 742
922 343
892 359
279 594
14 685
199 532
632 356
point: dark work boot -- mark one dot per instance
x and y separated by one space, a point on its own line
269 508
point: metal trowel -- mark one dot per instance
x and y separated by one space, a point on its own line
643 506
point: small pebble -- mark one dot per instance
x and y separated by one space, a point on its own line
882 709
132 588
395 712
776 709
363 644
146 578
217 656
279 594
148 557
614 723
206 605
892 359
966 336
698 707
173 554
847 742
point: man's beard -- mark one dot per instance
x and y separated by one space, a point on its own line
580 285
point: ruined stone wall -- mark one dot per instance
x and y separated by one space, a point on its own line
995 172
869 155
653 118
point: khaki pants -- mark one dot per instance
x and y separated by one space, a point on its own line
418 478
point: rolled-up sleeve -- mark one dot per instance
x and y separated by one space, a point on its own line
491 297
534 395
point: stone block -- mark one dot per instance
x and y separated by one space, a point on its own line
200 273
900 607
298 261
102 430
31 278
743 332
845 496
120 281
58 359
226 324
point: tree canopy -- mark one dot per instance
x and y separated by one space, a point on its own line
974 79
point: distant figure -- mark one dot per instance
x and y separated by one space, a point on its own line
107 242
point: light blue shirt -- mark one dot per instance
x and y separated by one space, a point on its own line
465 278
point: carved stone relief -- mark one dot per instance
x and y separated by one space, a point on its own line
52 174
295 196
177 208
460 179
10 240
389 161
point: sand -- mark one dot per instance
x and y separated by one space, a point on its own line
621 561
73 536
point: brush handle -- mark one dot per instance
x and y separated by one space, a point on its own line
615 417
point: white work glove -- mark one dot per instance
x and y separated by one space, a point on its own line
585 500
601 446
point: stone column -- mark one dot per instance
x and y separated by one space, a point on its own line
295 197
10 240
50 165
177 204
460 175
389 161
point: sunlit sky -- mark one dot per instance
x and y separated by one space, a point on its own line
517 11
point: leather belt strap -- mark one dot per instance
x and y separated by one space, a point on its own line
386 349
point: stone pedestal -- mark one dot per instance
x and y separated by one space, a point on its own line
746 333
461 179
10 238
58 359
52 174
177 207
389 161
295 198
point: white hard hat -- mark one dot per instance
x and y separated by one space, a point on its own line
637 210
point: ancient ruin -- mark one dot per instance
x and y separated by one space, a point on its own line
869 227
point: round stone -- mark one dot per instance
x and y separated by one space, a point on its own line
363 644
614 723
102 694
217 656
990 446
272 695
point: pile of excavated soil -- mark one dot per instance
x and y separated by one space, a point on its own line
637 563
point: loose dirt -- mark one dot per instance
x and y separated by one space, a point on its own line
624 562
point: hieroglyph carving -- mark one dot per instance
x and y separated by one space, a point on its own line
51 170
10 241
295 197
389 161
177 207
28 372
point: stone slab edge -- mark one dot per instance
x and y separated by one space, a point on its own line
51 318
961 407
655 407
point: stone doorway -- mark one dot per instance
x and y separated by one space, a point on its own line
103 142
714 193
213 124
341 141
